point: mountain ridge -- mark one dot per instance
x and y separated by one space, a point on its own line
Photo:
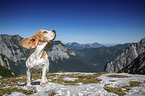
131 52
137 66
77 46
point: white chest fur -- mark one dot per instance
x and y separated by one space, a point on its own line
35 59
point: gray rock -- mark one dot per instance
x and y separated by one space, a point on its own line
137 66
92 89
12 53
126 57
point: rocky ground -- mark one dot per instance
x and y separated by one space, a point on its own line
76 84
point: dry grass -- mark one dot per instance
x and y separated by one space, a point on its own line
119 91
112 80
11 82
10 90
115 90
119 76
133 84
82 78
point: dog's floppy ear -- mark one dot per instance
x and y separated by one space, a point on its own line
48 46
30 42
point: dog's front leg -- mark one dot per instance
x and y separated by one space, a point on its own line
28 77
44 71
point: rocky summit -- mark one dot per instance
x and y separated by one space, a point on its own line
127 57
72 84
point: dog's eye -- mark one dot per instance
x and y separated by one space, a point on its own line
45 32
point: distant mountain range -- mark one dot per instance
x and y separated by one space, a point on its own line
120 45
77 46
96 55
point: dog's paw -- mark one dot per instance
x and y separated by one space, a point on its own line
42 84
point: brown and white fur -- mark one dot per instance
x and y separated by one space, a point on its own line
37 57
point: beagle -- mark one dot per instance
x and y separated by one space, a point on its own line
37 57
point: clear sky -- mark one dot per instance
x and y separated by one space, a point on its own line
82 21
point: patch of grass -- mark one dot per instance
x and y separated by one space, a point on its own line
51 75
60 80
12 81
39 76
10 90
82 78
112 80
100 73
119 91
115 90
81 75
36 76
133 84
119 76
106 85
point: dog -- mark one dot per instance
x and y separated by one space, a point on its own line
37 57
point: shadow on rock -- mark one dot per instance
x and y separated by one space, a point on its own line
32 83
35 83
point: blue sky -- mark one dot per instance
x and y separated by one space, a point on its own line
82 21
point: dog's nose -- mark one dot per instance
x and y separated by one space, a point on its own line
53 31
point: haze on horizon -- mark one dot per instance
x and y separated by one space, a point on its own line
82 21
